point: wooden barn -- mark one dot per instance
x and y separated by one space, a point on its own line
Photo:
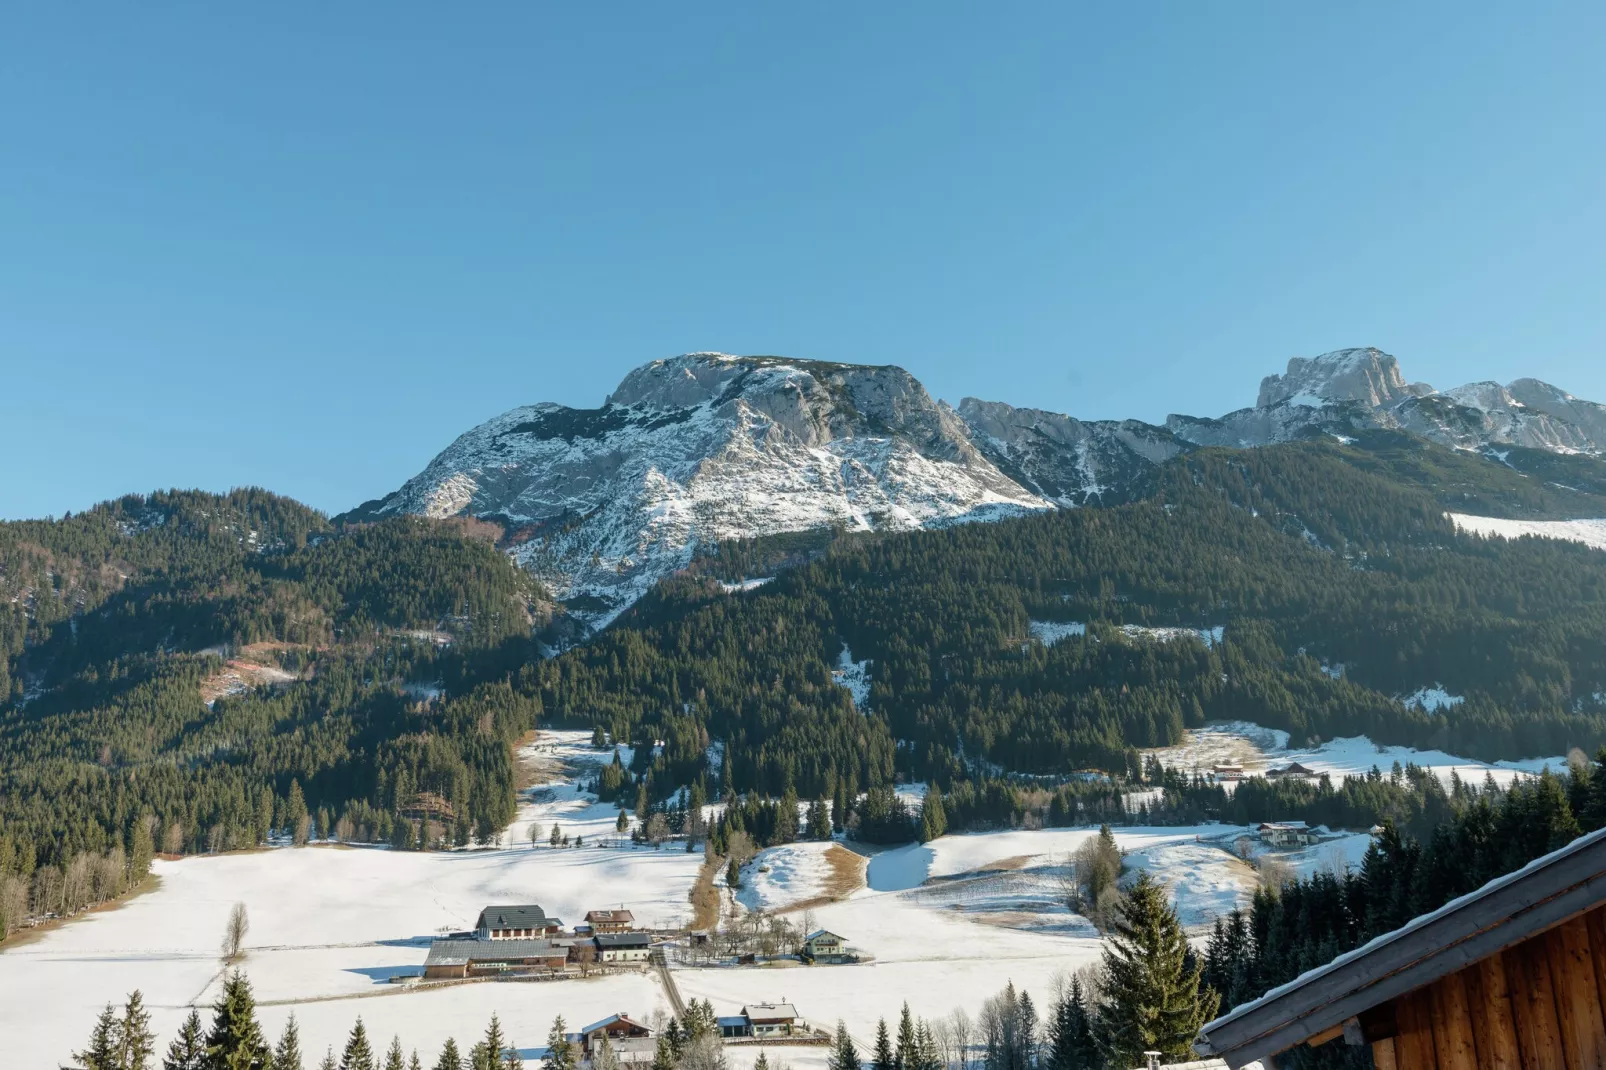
1509 977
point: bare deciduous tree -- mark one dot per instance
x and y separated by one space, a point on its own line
536 832
173 839
234 932
963 1031
657 829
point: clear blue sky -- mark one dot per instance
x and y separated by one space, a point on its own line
306 248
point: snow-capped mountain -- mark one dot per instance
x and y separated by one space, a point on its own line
601 503
1363 388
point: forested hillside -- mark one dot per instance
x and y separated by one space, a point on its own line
1336 589
188 671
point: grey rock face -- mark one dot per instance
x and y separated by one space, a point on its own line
1069 461
1368 376
601 503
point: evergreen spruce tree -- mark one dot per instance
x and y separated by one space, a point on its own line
413 1062
359 1054
449 1059
560 1054
328 1062
136 1044
906 1054
488 1052
884 1057
235 1041
762 1062
187 1050
101 1052
1025 1032
933 818
1152 1001
663 1055
844 1056
926 1057
395 1058
287 1053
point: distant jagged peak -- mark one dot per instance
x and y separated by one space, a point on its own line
1486 396
1367 375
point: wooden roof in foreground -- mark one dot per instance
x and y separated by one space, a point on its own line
1505 912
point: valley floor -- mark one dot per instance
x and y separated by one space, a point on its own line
941 925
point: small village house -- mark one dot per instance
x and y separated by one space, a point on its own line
1508 976
462 959
630 1041
1291 771
623 947
1227 771
773 1020
515 923
1286 834
610 921
822 945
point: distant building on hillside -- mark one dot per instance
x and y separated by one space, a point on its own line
610 921
1292 771
822 945
1227 771
515 923
1286 834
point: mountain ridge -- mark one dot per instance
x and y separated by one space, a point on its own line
706 447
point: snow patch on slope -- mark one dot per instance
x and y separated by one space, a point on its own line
1049 632
1590 532
1432 699
855 676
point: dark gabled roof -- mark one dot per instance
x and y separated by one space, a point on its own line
461 952
1544 893
515 917
623 940
622 1018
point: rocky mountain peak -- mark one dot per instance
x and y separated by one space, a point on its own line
1369 376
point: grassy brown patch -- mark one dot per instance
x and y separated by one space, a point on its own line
705 897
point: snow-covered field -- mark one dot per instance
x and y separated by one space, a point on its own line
1258 749
948 923
942 924
330 924
1588 532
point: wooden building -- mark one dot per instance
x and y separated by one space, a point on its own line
1509 977
610 921
628 1039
